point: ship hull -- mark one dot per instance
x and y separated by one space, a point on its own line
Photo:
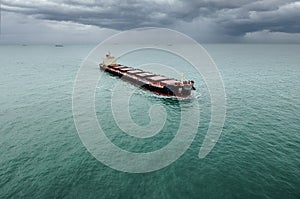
181 91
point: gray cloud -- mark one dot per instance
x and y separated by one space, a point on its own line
231 19
282 18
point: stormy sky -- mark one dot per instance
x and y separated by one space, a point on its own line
90 21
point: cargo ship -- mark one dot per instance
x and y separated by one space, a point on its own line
157 84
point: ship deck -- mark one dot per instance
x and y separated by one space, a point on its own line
150 81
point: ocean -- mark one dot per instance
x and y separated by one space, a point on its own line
257 155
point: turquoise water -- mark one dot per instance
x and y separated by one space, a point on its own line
257 155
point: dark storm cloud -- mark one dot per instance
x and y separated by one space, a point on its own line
114 15
280 17
234 18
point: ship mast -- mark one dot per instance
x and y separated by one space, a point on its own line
182 78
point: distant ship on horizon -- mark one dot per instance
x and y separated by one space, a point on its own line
59 45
